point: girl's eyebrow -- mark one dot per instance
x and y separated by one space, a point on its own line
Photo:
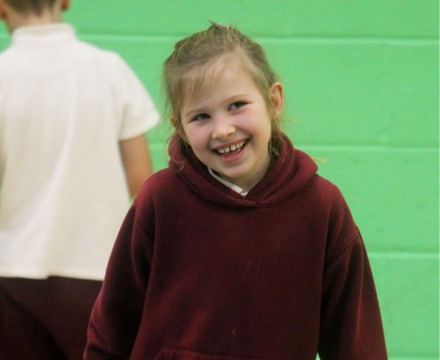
191 114
194 111
201 109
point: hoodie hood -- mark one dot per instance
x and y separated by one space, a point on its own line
286 178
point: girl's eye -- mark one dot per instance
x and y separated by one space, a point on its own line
200 117
237 105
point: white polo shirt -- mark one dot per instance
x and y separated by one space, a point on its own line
64 106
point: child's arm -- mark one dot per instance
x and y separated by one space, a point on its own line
136 159
351 325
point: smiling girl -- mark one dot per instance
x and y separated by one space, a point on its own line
239 250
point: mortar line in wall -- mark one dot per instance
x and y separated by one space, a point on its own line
403 255
417 357
344 148
129 37
351 40
282 39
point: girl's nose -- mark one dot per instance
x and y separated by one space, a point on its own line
222 128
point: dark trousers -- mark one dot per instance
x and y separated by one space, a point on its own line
45 319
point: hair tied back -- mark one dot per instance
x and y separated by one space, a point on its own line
214 24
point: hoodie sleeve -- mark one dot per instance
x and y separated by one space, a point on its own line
117 312
351 325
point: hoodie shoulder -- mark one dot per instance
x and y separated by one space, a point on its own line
161 182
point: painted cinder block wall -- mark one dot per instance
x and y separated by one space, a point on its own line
361 82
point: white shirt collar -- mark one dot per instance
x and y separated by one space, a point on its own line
54 31
227 183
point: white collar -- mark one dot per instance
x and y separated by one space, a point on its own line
54 31
227 183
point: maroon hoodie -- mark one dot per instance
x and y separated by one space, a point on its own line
199 272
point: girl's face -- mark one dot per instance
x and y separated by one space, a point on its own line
228 125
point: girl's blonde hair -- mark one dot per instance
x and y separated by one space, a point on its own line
188 67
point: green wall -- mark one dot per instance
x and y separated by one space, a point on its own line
361 81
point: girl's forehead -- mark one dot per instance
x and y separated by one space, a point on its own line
200 81
204 77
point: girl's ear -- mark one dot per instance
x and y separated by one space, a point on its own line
276 96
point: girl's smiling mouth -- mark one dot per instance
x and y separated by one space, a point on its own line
231 150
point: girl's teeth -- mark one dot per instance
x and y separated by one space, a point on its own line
232 148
